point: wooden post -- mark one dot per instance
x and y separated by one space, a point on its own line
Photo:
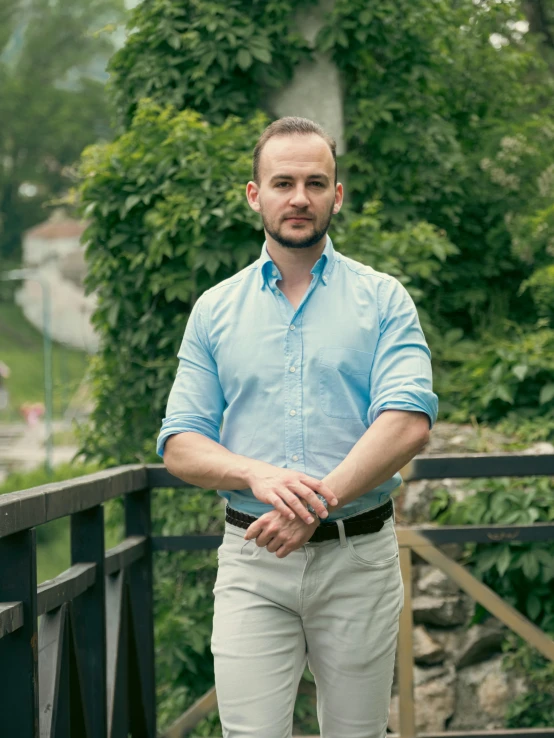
405 651
141 611
19 649
89 610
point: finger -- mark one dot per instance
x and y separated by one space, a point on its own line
255 528
281 552
294 504
322 488
312 499
274 545
281 507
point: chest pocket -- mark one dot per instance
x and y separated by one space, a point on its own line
344 382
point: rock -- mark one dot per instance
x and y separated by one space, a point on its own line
483 693
435 583
443 611
426 650
481 641
542 447
434 695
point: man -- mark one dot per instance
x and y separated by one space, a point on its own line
320 371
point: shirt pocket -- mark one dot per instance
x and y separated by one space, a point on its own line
344 381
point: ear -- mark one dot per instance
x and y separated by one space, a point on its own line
253 196
339 194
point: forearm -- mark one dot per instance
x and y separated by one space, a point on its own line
387 446
204 463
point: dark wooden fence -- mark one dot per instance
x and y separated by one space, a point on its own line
89 671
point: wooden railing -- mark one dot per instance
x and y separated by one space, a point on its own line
89 671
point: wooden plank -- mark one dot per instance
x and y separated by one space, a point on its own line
470 466
158 476
19 649
68 585
190 719
124 554
438 535
11 617
32 507
89 616
198 542
142 686
486 597
406 707
54 675
117 662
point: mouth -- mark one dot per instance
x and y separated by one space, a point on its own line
299 220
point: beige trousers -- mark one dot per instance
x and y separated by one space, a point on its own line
334 605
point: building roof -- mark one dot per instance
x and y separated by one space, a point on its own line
68 228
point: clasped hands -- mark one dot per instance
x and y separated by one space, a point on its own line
290 525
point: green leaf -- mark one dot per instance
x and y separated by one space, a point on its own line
547 393
533 606
530 565
520 371
503 561
244 59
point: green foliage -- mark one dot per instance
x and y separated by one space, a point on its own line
521 573
534 708
50 106
217 58
168 219
509 374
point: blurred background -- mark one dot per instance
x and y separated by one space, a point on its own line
126 135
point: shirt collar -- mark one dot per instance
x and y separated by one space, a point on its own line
269 272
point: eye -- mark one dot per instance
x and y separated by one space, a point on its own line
318 184
282 184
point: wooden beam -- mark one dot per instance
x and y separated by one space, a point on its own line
68 585
405 654
124 554
190 719
485 596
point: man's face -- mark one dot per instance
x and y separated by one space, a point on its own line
296 195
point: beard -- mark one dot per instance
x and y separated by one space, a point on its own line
304 242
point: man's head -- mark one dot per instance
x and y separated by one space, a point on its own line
294 185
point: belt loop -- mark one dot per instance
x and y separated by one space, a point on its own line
342 534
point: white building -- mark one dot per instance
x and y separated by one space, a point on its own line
54 251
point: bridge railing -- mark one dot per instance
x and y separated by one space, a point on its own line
89 671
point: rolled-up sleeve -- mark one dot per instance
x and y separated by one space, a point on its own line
401 376
196 401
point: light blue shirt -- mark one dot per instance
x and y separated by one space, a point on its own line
298 388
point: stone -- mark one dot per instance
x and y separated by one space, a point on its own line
434 696
435 583
426 650
480 643
442 611
542 447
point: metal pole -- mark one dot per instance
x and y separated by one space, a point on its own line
48 394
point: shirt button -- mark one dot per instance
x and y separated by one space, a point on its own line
276 292
292 412
292 327
292 369
295 457
325 280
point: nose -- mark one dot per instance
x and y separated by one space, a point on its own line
299 198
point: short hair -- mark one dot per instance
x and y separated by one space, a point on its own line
291 125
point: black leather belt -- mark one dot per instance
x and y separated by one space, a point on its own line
368 522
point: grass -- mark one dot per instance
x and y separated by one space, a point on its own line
21 348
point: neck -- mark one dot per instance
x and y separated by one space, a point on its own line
295 265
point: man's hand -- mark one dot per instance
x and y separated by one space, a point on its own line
289 491
279 534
